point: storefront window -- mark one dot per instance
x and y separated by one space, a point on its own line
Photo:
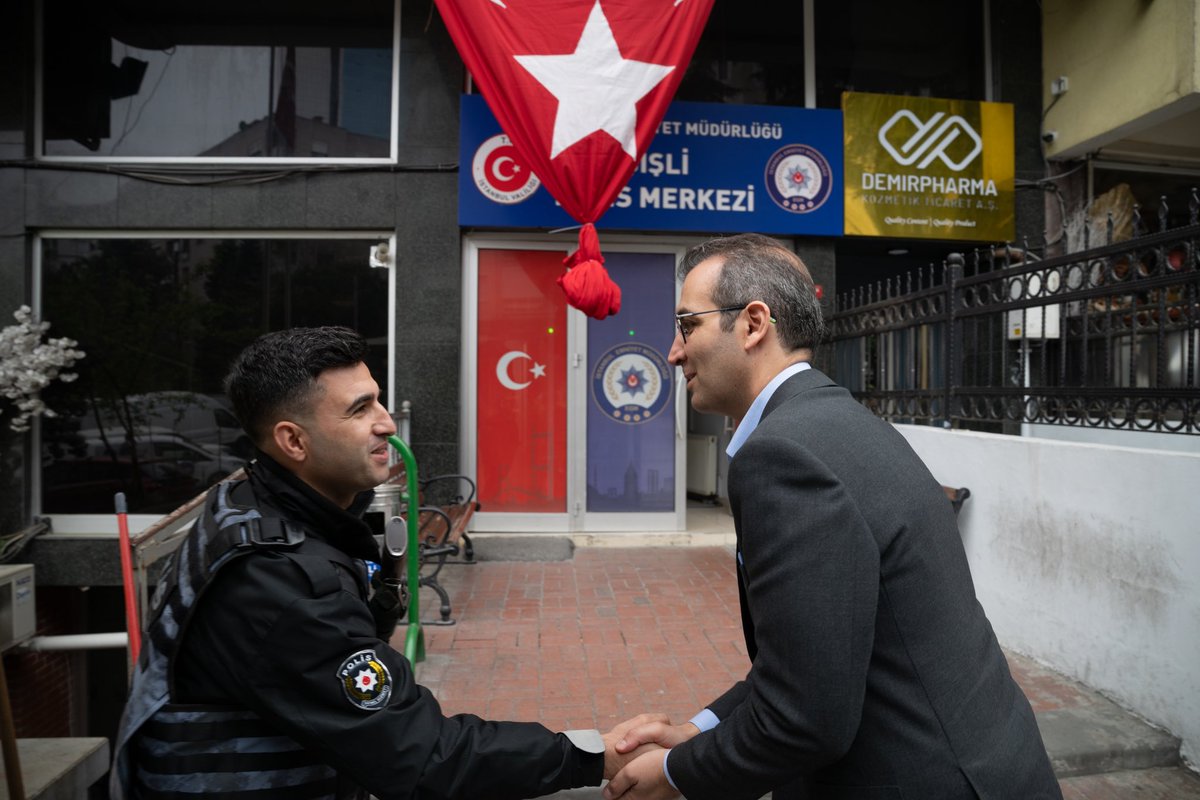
934 49
274 79
160 321
749 53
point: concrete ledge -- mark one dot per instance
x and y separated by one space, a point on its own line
1161 782
1103 738
560 547
60 768
518 547
63 559
655 539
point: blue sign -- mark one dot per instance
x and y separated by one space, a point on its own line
711 167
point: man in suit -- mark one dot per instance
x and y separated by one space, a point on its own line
874 672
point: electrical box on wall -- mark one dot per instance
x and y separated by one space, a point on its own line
1035 322
18 615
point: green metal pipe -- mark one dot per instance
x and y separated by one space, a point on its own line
414 638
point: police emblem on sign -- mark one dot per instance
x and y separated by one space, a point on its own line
798 178
365 680
631 383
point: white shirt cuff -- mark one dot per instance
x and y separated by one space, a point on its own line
589 741
667 772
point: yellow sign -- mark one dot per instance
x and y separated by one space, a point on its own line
925 168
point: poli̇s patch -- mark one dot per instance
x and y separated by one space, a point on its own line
365 680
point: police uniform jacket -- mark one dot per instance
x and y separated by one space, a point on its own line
296 646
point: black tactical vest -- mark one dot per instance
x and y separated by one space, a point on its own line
167 751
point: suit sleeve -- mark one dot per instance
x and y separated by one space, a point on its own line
280 654
811 573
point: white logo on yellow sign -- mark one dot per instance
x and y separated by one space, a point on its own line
918 145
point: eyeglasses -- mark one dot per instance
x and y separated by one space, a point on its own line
682 321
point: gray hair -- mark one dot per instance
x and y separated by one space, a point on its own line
757 267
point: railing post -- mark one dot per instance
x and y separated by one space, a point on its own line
954 268
414 638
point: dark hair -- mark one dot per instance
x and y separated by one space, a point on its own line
276 375
757 267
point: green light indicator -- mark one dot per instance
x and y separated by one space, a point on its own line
550 330
631 331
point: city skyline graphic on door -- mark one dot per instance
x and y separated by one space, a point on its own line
631 392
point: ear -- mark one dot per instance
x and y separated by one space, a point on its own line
291 441
759 324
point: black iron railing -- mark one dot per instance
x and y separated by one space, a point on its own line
1108 337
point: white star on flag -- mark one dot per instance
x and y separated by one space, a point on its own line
539 370
597 89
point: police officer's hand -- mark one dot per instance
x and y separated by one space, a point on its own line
643 779
615 761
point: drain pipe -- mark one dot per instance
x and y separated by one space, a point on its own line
78 641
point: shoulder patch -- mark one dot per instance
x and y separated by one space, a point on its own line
365 680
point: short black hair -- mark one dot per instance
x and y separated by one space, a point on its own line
757 267
276 375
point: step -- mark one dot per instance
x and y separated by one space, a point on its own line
1084 732
1101 738
59 768
1159 783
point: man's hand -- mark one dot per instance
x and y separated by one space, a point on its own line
642 779
653 731
615 759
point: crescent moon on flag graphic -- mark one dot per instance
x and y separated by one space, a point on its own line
504 168
538 371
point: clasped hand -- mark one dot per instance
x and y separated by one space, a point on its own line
634 752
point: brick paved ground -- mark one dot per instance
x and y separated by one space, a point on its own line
588 642
614 632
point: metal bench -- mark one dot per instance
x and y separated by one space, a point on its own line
446 505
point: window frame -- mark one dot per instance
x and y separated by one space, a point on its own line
106 523
246 161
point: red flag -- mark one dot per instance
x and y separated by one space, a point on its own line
522 392
579 86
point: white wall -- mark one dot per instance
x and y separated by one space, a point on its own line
1086 557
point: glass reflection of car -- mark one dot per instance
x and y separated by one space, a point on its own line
169 470
87 485
203 419
207 463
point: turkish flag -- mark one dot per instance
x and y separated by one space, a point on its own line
579 86
521 463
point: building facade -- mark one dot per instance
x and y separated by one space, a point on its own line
179 179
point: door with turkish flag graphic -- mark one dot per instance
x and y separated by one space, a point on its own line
521 457
575 424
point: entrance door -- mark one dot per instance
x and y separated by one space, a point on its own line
571 423
633 477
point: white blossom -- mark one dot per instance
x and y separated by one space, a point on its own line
28 365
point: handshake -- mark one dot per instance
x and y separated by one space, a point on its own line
634 752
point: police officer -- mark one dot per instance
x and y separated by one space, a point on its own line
263 674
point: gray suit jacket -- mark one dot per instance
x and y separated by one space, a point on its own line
874 673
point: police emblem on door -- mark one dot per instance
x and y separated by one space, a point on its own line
631 383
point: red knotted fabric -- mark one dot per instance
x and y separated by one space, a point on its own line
586 282
580 87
